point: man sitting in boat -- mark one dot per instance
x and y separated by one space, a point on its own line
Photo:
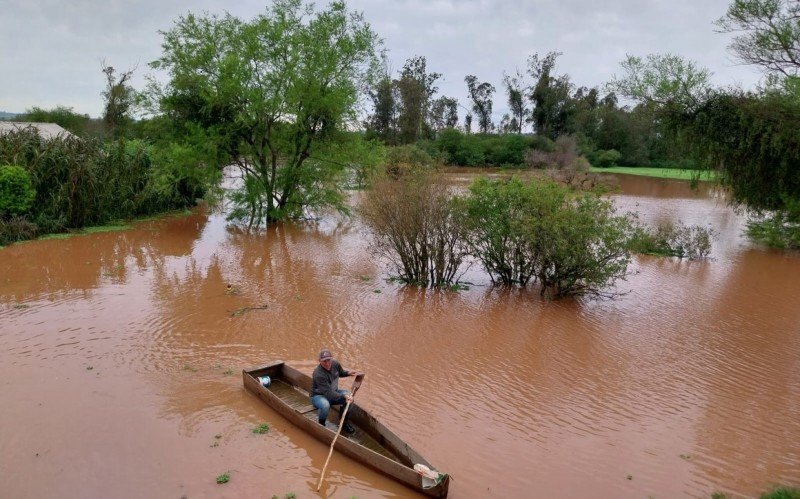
325 387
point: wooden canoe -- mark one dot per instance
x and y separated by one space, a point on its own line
372 444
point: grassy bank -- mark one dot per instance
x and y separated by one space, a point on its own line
674 173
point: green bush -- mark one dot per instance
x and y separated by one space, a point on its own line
16 192
777 229
542 143
583 248
409 155
496 215
782 493
669 239
507 150
606 159
83 182
523 232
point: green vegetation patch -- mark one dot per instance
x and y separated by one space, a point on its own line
106 228
261 429
87 230
776 493
672 173
782 493
224 478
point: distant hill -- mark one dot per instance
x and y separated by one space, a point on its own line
7 116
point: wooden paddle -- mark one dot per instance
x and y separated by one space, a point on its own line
353 390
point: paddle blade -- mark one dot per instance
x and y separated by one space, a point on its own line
357 383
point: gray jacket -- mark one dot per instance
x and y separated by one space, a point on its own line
324 382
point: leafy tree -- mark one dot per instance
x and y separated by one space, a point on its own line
416 88
410 117
277 91
481 96
754 141
119 97
550 96
516 89
662 79
468 123
383 122
444 113
768 34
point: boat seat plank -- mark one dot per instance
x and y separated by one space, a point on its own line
306 409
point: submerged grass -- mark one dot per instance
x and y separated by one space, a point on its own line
114 226
671 173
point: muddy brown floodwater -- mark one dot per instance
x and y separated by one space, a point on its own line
121 357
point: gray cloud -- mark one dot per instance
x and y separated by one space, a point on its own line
50 51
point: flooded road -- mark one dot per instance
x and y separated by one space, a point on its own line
121 357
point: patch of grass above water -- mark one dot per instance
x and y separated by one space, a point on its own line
671 173
86 230
114 226
261 429
776 493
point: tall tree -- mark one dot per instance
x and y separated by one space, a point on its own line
444 113
410 121
516 89
550 95
119 97
481 96
280 89
416 88
383 121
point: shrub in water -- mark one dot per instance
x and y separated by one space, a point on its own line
669 239
523 232
416 225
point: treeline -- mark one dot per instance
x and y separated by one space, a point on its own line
544 106
752 138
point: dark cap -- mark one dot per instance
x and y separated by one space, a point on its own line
325 354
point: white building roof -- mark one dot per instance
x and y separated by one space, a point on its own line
45 130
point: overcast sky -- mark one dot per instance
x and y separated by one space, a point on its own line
50 50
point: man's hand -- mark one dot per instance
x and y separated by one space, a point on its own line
348 398
354 372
